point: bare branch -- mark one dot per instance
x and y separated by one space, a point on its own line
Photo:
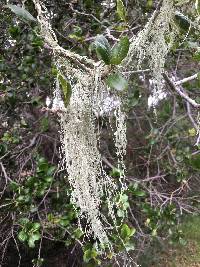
180 91
188 79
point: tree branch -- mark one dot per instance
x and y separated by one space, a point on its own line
188 79
180 91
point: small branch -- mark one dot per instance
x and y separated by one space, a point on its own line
193 77
87 15
108 163
156 12
181 92
190 116
4 172
136 71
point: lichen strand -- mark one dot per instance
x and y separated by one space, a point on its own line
152 44
80 157
120 142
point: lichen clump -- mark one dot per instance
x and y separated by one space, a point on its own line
81 158
153 43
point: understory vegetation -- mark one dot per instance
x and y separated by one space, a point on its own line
99 133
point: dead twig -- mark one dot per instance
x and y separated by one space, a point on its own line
180 91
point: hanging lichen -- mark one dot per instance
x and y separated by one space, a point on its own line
81 158
153 43
81 94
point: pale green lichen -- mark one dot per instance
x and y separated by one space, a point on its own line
81 159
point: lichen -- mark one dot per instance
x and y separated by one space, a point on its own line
80 156
153 43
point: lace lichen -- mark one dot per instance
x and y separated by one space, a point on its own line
81 157
152 44
90 97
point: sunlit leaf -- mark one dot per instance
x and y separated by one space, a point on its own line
126 231
197 5
22 236
32 238
182 21
102 48
117 82
21 12
66 89
119 51
121 10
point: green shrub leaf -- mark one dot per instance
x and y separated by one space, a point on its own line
120 51
102 49
36 226
117 82
90 254
121 10
66 89
195 161
22 236
126 231
32 238
182 21
21 12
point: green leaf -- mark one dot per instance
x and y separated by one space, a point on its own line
117 82
14 186
120 51
48 179
32 238
23 221
140 193
64 221
51 170
3 149
78 233
42 167
132 232
197 5
21 12
195 161
126 231
14 31
116 173
89 254
35 226
134 99
44 124
129 246
66 88
22 236
121 10
102 48
182 21
149 4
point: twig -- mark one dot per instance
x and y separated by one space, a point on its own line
108 163
180 91
193 77
190 116
136 71
4 172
